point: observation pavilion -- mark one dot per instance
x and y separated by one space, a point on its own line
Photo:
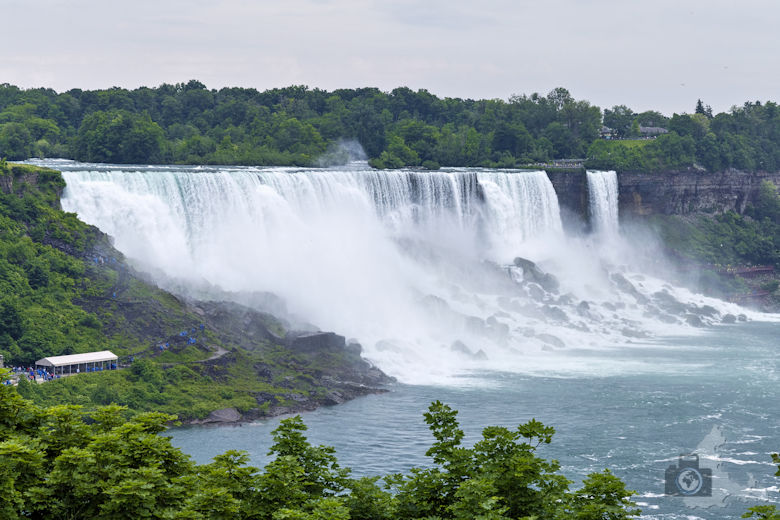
79 363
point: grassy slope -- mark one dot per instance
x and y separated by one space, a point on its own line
55 299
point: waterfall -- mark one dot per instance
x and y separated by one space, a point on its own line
181 211
355 250
416 265
520 206
603 201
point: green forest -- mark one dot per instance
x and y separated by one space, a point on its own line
188 123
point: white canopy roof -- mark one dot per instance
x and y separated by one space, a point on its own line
77 359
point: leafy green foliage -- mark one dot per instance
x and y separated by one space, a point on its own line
667 152
62 462
15 141
119 137
746 138
187 123
500 477
38 281
766 512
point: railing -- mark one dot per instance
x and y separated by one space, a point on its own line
747 272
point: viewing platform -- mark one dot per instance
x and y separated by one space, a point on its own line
78 363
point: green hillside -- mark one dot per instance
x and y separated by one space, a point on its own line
64 289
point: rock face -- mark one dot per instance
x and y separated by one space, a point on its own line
225 415
339 363
310 342
662 193
19 178
572 191
685 192
245 325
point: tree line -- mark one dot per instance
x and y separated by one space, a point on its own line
746 138
189 123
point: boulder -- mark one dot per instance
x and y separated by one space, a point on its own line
554 313
532 273
669 303
354 347
334 397
225 415
461 348
535 291
566 299
552 340
627 287
583 309
475 325
693 320
310 342
706 310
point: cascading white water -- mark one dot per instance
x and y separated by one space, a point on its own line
180 212
519 206
415 265
349 250
603 201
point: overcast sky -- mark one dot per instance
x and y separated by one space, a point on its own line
647 54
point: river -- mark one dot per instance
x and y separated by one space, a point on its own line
721 384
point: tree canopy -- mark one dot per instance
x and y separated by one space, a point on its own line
189 123
62 462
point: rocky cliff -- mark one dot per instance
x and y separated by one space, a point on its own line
571 187
686 192
664 193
